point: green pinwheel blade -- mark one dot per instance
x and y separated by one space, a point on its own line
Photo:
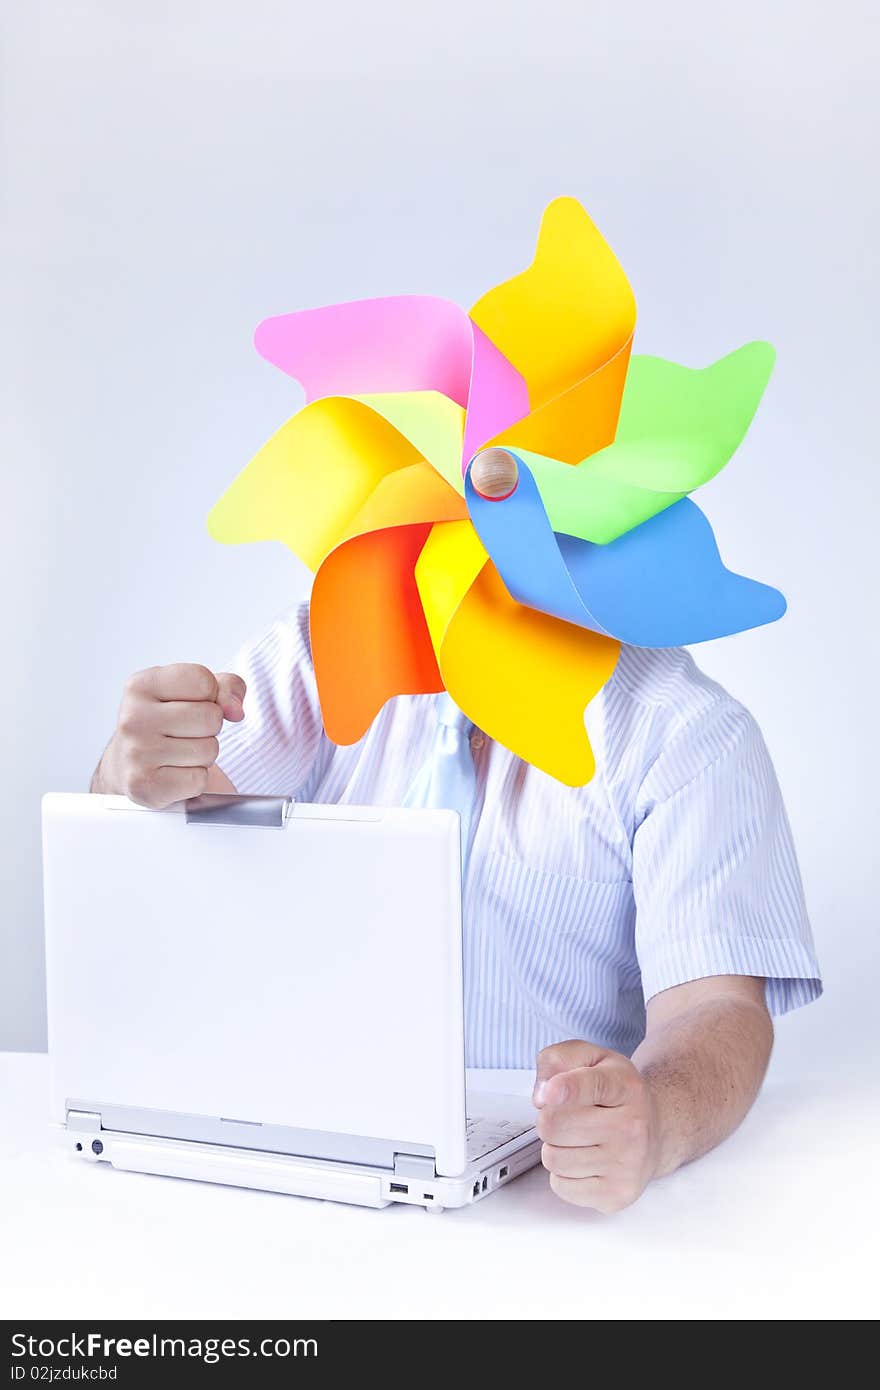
678 427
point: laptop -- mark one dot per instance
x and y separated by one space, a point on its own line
252 991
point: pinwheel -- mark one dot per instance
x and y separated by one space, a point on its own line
517 604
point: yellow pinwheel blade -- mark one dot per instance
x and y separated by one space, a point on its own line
432 423
307 484
577 423
523 677
566 324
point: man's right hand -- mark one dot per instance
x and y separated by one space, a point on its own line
165 745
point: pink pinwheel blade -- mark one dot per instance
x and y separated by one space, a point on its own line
498 396
396 344
399 343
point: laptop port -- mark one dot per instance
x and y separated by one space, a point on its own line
477 1188
399 1187
485 1184
502 1173
428 1196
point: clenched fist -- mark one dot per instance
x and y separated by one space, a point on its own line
597 1118
165 744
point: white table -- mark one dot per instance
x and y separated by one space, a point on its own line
780 1223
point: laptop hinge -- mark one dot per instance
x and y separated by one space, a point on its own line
218 808
414 1166
84 1121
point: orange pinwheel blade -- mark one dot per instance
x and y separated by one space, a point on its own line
369 636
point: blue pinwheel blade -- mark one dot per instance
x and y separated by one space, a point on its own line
662 584
518 536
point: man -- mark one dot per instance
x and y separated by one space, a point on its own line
636 933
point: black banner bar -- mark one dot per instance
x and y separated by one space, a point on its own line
134 1352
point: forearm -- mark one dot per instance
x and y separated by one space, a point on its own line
704 1067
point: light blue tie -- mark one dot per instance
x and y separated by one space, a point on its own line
447 780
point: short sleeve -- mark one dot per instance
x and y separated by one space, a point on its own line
715 876
280 746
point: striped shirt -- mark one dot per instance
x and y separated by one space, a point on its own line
674 863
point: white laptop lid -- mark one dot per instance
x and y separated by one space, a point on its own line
305 973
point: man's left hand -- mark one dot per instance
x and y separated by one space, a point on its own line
598 1120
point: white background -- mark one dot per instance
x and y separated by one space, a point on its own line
175 172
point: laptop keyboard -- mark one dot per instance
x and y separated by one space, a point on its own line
485 1135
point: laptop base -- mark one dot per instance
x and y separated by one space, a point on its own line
295 1176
